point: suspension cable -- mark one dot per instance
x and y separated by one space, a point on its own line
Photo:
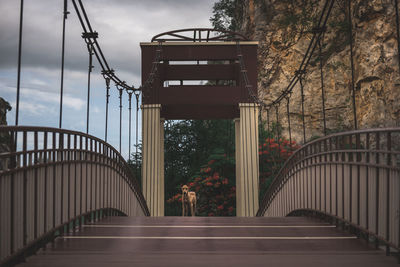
90 68
352 64
302 106
107 79
65 16
87 28
322 84
120 89
309 53
396 6
130 92
137 132
288 118
21 16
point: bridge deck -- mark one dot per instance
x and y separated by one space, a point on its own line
199 241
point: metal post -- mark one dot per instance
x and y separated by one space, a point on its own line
62 61
107 101
352 64
21 16
137 132
288 117
130 118
277 126
322 85
90 48
302 109
396 5
120 89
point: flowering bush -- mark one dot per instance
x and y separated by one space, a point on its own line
215 183
214 186
273 154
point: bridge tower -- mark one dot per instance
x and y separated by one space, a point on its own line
173 66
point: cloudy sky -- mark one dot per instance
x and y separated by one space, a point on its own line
121 24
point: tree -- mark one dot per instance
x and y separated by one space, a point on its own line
188 146
227 15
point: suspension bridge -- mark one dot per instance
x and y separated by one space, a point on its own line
69 198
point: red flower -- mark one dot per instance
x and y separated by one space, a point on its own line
216 175
209 184
274 145
230 209
191 184
220 207
225 181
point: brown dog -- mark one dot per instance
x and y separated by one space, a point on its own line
188 200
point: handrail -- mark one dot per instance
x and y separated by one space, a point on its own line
353 177
52 179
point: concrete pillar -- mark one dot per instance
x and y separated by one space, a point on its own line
162 187
247 193
239 187
151 157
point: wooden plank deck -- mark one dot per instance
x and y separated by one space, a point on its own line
209 241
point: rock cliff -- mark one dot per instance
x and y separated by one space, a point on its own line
283 29
4 107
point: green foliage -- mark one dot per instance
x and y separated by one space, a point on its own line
226 15
299 17
215 188
135 163
200 154
188 145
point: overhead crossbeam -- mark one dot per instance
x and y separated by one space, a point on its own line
220 87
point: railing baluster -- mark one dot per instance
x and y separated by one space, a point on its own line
350 153
25 189
35 161
377 144
45 161
367 141
388 163
54 162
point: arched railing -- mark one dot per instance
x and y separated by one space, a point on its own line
352 177
52 180
198 35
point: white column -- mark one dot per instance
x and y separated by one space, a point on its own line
161 183
249 169
151 169
239 186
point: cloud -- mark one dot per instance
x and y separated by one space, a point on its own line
33 108
122 25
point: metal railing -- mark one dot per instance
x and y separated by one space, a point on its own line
352 177
52 179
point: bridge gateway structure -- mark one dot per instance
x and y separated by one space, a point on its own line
226 63
56 185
